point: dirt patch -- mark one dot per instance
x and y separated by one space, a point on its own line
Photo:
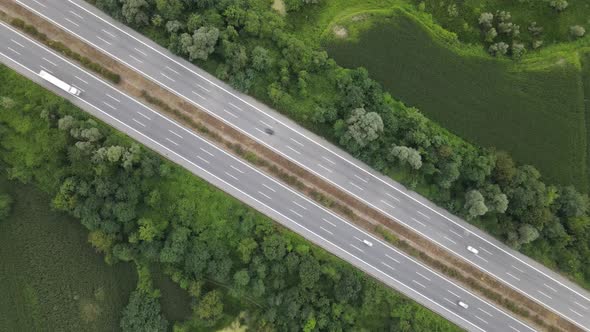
295 176
279 6
340 32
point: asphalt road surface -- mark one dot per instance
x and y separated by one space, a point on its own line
318 156
244 182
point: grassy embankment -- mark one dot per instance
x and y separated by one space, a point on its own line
51 278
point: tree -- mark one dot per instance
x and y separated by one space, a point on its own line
169 9
363 128
135 12
407 155
194 22
241 278
261 59
505 169
527 234
496 201
147 229
486 20
201 44
309 272
559 5
535 30
324 114
175 245
142 314
5 206
518 50
475 204
500 48
477 168
570 203
173 26
491 34
210 308
577 31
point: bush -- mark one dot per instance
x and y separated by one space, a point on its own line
559 5
577 31
5 206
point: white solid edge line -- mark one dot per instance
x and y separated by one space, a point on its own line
272 179
348 161
272 148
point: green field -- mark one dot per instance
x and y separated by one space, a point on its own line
535 114
50 277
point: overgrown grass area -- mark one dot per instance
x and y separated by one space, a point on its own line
50 277
536 115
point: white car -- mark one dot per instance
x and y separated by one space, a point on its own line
473 250
367 243
463 304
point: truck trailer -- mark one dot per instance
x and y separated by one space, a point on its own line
59 83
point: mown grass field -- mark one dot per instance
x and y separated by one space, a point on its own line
535 114
50 277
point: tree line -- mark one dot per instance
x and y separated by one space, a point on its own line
249 45
141 208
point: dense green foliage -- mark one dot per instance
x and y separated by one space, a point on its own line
141 208
547 222
142 314
52 280
492 103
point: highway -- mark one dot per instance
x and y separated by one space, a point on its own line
318 156
239 179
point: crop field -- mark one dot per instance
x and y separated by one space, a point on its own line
50 277
535 114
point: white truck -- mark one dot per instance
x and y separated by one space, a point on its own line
59 83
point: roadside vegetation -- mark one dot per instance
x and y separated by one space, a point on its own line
237 265
252 47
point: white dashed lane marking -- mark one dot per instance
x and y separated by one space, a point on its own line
419 222
72 22
81 80
423 215
145 116
14 51
207 152
141 124
140 51
104 40
171 141
175 134
19 44
331 223
76 14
